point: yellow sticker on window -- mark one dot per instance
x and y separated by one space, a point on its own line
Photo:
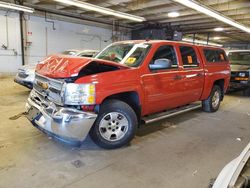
190 59
130 60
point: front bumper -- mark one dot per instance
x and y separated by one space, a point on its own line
66 124
27 82
239 85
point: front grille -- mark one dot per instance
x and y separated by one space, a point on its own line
22 75
49 88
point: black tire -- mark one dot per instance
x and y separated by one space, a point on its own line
208 105
119 108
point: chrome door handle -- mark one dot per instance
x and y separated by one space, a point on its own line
193 75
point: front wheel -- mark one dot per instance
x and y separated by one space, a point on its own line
212 103
115 125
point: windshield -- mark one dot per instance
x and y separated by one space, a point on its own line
239 58
126 53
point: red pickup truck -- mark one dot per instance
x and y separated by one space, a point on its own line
127 83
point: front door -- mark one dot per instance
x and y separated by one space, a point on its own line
163 88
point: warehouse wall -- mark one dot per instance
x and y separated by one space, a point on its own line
42 39
10 58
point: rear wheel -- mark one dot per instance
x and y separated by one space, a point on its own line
212 103
115 125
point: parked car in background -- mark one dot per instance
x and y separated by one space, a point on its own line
240 70
235 174
80 53
26 74
127 83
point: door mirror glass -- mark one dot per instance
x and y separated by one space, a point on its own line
160 64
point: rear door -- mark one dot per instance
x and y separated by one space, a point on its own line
192 73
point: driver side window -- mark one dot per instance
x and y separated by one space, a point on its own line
166 52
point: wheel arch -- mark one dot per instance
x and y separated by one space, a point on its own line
131 98
221 84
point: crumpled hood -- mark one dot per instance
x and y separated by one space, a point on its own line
67 66
240 67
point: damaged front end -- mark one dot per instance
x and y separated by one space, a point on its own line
64 123
55 104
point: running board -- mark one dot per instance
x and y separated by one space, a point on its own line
170 113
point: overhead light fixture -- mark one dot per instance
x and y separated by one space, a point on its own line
173 14
201 42
102 10
212 13
216 38
16 7
218 29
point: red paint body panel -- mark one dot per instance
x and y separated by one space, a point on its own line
157 90
110 83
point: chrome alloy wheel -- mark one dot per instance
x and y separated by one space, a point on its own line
216 99
113 126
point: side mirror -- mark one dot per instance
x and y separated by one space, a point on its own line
160 64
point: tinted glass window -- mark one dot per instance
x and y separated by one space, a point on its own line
215 55
189 57
166 52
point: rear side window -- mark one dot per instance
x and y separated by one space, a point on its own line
189 57
215 56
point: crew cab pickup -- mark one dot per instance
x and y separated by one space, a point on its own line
127 83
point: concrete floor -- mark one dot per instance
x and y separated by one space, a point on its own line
185 151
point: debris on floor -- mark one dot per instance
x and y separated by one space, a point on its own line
77 163
239 139
17 116
195 172
168 125
3 146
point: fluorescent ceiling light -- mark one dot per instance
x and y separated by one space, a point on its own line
16 7
218 29
216 38
173 14
212 13
201 42
102 10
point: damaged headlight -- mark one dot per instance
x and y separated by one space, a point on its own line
79 94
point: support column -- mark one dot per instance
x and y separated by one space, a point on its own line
21 33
